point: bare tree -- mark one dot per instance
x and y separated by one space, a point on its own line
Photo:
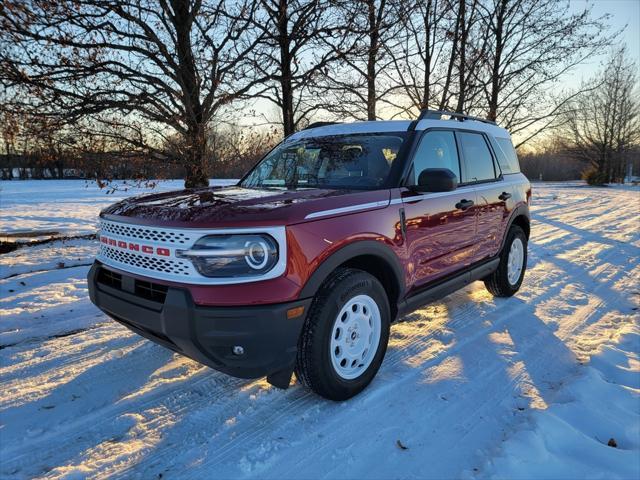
440 56
155 73
420 51
237 150
531 45
170 64
472 52
602 127
502 59
357 81
294 53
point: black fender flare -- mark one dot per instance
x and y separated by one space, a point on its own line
352 250
522 210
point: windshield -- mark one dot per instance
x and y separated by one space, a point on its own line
340 161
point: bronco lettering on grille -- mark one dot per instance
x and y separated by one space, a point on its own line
135 247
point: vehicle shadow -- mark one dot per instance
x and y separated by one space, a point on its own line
625 247
476 378
448 388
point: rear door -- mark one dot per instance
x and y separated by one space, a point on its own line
481 170
440 226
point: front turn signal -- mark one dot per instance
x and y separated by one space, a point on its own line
295 312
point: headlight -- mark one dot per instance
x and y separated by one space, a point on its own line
233 255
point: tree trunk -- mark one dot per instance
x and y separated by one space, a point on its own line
371 61
426 92
497 59
288 120
454 51
60 165
462 86
196 162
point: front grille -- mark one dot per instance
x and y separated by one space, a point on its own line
109 278
155 264
151 291
146 233
148 251
154 252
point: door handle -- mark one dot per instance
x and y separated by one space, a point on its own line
504 196
464 204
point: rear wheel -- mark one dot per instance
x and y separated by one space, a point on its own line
507 278
345 336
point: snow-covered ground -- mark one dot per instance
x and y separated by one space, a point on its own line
534 386
69 207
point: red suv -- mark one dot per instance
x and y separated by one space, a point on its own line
305 263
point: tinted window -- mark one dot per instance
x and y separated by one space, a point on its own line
509 159
338 161
477 158
437 149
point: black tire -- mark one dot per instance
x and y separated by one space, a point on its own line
498 282
314 366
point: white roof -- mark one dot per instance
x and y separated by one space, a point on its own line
397 126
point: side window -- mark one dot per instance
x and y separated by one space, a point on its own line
510 163
437 149
477 158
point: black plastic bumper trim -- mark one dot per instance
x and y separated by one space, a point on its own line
208 334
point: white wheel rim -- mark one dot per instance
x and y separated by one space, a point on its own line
515 261
355 337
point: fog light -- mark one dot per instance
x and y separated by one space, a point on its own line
238 350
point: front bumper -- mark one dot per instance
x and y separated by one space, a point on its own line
207 334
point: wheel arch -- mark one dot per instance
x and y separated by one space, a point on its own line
371 256
521 218
523 222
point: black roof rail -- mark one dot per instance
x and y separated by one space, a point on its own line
438 114
320 124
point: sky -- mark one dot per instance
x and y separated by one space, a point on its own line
625 14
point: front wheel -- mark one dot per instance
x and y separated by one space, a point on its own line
345 336
507 278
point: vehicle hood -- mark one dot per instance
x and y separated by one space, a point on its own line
235 206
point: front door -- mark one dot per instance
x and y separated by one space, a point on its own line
440 226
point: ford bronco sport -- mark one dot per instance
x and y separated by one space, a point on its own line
304 264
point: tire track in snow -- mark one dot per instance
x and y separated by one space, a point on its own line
396 358
464 314
224 452
292 408
410 345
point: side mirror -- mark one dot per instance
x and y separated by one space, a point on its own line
437 180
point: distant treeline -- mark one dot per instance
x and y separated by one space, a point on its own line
230 154
552 164
557 165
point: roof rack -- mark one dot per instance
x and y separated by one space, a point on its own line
438 114
319 124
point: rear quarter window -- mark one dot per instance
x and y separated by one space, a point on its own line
507 157
477 158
